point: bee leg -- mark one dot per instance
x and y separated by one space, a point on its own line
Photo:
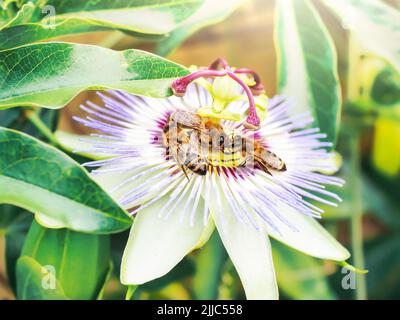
263 167
243 164
184 171
266 170
196 164
201 169
248 161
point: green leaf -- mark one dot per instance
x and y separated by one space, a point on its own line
39 178
307 64
29 284
17 118
14 244
10 218
80 263
7 117
19 35
51 74
379 198
144 16
209 267
149 18
382 258
374 84
374 23
25 14
6 14
100 294
13 220
300 276
385 89
209 13
14 223
181 271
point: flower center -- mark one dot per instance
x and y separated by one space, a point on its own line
223 91
199 143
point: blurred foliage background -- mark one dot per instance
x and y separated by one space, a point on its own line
368 220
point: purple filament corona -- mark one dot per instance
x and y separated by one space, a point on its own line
129 130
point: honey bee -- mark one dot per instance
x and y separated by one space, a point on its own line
197 144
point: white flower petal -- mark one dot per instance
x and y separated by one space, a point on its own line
132 127
290 225
250 252
138 181
310 237
207 232
156 244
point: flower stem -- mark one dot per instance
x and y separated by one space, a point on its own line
41 126
356 219
130 291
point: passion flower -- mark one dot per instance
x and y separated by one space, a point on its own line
270 188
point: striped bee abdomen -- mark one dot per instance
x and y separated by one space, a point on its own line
197 145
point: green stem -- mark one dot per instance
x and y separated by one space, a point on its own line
130 291
210 262
356 219
41 126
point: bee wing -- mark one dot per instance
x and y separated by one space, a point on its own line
186 119
194 145
270 160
